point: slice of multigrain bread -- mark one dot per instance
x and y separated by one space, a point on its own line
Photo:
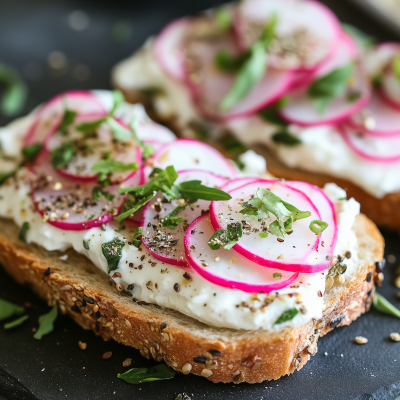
84 292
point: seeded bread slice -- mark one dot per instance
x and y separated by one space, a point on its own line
84 292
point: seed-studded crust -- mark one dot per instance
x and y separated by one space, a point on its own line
84 292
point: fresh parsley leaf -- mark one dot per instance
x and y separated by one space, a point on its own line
321 226
263 234
287 316
268 32
62 155
91 217
46 323
277 275
85 244
141 375
16 322
271 112
171 221
363 40
171 175
240 164
120 132
24 231
98 193
118 99
112 251
8 309
223 18
226 62
277 228
383 305
226 239
15 91
247 77
5 175
286 138
233 146
352 97
31 151
109 166
138 232
89 127
68 118
324 89
131 205
194 190
147 150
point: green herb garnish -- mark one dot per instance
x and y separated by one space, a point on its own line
8 309
46 323
31 151
141 375
277 275
321 226
147 150
352 97
15 323
15 91
233 145
383 305
86 245
67 119
271 113
62 155
171 221
138 232
109 166
228 63
112 251
98 193
5 175
24 231
89 127
263 234
287 316
226 238
223 18
323 90
194 190
396 67
286 138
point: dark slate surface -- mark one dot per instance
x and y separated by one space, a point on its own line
30 369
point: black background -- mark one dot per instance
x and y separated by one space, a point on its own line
29 32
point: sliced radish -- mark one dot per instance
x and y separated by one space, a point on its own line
377 118
345 53
167 244
237 183
168 48
309 27
192 154
66 203
300 109
209 91
149 131
227 269
93 148
372 148
299 252
50 114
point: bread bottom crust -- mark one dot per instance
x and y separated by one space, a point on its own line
169 335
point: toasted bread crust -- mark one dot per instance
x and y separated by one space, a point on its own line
168 335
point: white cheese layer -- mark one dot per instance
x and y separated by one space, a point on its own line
154 281
323 149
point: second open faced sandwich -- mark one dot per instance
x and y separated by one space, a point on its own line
163 245
285 74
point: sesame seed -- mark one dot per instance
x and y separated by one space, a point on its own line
107 355
127 363
82 345
360 340
206 372
186 368
395 337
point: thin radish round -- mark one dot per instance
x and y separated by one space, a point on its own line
192 154
68 204
302 111
299 252
209 91
237 183
372 148
377 118
227 269
168 47
148 131
50 114
306 32
166 244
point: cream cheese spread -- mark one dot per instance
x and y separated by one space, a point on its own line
154 280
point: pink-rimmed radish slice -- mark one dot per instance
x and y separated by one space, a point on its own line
377 118
66 203
92 148
372 148
168 48
310 27
49 116
345 53
299 252
237 183
218 267
135 180
149 131
301 110
167 244
192 154
209 91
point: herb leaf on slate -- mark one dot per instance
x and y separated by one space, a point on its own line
383 305
16 322
226 238
31 151
141 375
24 230
112 251
62 155
324 89
8 309
46 323
287 316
